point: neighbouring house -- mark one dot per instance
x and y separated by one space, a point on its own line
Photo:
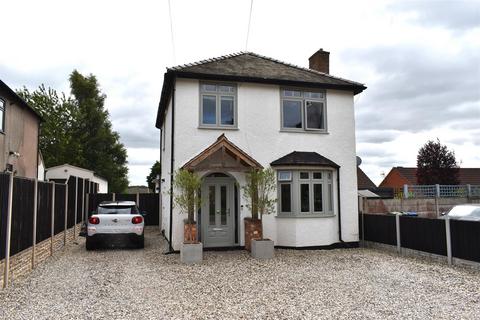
138 189
399 176
363 181
41 167
62 173
225 116
19 132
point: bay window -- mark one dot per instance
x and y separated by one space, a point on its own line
305 192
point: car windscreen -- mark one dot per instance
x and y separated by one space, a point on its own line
117 210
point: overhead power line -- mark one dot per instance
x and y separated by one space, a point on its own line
248 29
171 31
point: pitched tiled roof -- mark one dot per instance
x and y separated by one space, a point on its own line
465 175
251 67
363 181
300 158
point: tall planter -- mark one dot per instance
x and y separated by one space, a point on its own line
189 232
253 230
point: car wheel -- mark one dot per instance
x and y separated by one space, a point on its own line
90 244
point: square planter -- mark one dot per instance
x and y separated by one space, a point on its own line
262 249
191 253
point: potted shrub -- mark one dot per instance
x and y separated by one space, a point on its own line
257 192
187 198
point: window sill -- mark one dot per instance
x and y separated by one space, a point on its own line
304 131
301 216
217 128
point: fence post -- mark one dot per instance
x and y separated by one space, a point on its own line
113 196
52 229
9 230
469 191
76 207
397 227
405 191
35 210
83 201
449 240
66 217
138 200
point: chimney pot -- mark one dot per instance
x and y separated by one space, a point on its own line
320 61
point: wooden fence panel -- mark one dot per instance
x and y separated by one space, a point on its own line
44 214
22 215
80 199
423 234
149 204
59 221
71 202
380 228
465 237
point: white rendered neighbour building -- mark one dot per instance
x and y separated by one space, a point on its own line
224 116
62 172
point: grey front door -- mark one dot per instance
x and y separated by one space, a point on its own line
217 212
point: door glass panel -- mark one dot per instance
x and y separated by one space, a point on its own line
292 114
285 198
314 115
211 205
317 197
304 198
223 205
227 110
209 110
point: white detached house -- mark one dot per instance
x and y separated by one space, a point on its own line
224 116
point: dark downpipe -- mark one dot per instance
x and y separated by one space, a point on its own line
339 210
171 168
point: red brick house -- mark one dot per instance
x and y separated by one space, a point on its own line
399 176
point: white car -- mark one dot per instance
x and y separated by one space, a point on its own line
470 212
115 220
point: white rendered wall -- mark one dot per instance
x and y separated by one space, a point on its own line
259 135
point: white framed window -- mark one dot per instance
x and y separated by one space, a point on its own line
303 110
284 175
308 193
218 106
2 115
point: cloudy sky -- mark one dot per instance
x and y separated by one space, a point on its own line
419 59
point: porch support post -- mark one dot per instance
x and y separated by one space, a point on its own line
449 240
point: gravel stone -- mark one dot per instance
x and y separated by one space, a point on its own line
146 284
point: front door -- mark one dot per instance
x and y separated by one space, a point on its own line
217 212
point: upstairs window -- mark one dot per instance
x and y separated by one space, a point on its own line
218 107
2 115
303 110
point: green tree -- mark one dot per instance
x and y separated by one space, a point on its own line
103 152
154 171
258 192
436 164
58 141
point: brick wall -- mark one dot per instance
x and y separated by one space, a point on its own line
21 263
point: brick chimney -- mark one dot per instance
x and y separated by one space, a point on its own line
320 61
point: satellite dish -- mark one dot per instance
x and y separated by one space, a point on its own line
359 161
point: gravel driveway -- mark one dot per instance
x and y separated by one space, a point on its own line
145 284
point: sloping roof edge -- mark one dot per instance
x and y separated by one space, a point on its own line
304 158
19 99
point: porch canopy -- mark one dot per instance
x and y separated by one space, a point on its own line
222 155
